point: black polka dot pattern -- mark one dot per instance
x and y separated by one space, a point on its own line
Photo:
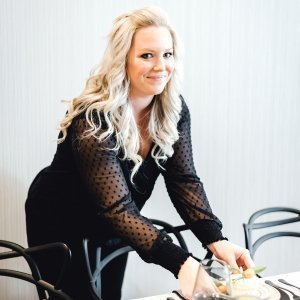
107 177
185 188
86 191
102 172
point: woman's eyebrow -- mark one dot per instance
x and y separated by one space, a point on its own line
154 50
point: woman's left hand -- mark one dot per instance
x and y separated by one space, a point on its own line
232 254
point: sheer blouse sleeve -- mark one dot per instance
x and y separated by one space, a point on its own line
103 176
185 188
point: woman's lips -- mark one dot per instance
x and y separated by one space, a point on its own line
157 77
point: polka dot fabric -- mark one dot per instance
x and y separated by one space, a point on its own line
102 172
185 188
86 191
107 178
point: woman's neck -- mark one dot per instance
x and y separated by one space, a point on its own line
141 110
141 106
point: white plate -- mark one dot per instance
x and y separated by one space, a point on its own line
265 292
270 292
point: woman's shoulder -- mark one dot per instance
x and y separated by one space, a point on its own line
95 117
184 113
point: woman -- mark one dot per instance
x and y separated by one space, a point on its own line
128 126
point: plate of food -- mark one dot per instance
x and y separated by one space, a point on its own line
260 291
232 283
268 292
246 284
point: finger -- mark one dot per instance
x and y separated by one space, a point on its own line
246 259
248 262
232 263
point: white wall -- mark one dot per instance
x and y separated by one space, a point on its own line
242 72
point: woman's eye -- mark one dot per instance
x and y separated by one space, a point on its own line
146 55
168 54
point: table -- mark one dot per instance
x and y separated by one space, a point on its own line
293 278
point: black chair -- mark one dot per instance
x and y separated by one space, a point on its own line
95 273
44 289
252 225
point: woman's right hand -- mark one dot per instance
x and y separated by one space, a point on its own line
190 278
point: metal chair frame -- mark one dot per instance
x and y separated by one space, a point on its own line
35 276
251 245
95 275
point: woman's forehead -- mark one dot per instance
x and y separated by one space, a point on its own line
152 37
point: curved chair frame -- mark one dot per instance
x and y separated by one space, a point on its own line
252 225
95 276
35 278
40 284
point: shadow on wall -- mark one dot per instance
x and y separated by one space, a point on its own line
12 214
12 227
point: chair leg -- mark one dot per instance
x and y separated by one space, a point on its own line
98 277
95 281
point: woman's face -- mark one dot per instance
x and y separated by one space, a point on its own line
150 62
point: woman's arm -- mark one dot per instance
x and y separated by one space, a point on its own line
103 177
188 196
185 188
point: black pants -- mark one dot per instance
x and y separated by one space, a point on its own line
76 282
112 276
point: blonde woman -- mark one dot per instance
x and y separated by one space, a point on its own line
128 126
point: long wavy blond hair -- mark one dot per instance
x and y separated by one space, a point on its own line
107 89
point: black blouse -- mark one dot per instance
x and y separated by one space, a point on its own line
86 191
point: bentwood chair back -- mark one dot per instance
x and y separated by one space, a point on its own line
95 273
44 289
253 225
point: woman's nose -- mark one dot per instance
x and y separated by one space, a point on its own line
159 67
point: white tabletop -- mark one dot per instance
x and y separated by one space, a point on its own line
293 278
